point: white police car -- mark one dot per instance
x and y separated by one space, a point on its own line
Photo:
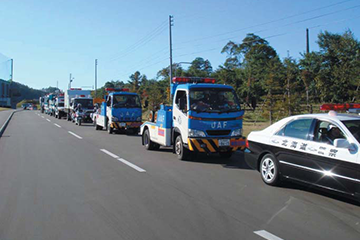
318 149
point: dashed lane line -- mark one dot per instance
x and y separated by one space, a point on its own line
267 235
48 120
75 135
137 168
57 125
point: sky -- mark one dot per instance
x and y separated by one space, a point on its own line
49 39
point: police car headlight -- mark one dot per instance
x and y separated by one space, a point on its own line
114 119
196 133
236 132
138 119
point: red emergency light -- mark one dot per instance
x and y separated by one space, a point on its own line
193 80
339 106
61 95
117 89
75 89
82 95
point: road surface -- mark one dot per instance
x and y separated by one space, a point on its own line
62 181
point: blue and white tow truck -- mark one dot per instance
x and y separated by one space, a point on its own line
121 111
205 118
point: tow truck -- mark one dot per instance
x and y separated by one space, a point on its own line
204 118
121 111
59 106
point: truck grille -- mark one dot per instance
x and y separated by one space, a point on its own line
218 132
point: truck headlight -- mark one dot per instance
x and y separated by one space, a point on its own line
236 132
138 119
114 119
196 133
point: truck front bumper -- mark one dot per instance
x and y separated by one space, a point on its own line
125 125
215 145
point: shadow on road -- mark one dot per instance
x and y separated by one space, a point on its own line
235 162
319 191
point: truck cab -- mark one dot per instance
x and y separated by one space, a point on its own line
59 106
121 111
87 106
205 118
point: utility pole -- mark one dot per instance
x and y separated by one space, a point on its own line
70 80
12 70
95 78
307 41
171 22
57 84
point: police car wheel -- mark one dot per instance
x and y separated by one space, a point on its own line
269 170
181 152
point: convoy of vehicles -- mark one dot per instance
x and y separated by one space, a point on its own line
205 118
120 112
317 149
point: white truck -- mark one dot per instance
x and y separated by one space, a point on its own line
60 106
75 96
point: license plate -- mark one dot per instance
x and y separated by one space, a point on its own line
122 124
224 142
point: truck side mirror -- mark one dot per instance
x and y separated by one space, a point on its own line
146 104
108 103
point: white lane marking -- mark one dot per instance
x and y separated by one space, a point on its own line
139 169
42 116
123 160
57 125
267 235
48 120
75 135
109 153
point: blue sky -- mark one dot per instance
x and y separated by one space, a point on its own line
50 39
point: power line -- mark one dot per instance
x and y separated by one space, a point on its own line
148 36
266 23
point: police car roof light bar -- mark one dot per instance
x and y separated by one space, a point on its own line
75 89
339 106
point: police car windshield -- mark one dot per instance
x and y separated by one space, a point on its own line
85 103
214 100
354 128
127 101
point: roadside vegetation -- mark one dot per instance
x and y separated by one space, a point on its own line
270 88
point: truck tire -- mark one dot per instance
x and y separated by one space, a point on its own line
109 129
181 151
149 145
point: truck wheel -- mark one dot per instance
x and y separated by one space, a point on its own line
226 154
149 145
109 129
181 151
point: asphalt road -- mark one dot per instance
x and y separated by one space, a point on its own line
62 181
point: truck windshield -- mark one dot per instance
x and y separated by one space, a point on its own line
61 104
214 100
128 101
354 128
85 103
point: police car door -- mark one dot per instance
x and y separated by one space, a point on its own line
290 145
329 166
180 116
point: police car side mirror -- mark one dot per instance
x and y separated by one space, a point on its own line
343 143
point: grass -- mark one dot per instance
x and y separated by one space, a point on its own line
251 126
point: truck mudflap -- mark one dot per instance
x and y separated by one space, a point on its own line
211 145
123 125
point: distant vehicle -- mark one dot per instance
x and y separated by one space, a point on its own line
75 96
205 118
59 106
121 112
317 149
